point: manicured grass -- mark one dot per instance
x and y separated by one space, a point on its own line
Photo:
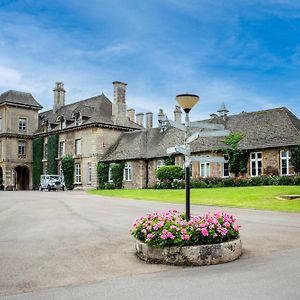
259 197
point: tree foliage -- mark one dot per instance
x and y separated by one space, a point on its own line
169 173
67 165
295 158
52 153
38 144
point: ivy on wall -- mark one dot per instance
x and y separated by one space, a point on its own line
295 158
117 170
102 174
67 165
52 153
38 144
238 159
169 161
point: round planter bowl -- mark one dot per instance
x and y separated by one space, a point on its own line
199 255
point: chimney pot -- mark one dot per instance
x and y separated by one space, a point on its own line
59 96
140 119
149 120
131 114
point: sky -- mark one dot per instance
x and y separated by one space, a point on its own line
243 53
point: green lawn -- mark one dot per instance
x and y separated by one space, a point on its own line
259 197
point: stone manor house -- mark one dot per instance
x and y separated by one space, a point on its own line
96 129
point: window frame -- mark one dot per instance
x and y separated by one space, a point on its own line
89 172
77 174
22 124
226 157
288 163
60 152
1 123
76 146
127 173
22 153
256 160
205 169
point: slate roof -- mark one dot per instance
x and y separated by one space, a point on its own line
21 98
97 109
262 129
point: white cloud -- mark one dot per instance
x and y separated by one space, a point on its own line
9 77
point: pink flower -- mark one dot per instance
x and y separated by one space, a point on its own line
227 224
185 237
204 232
163 237
236 227
150 236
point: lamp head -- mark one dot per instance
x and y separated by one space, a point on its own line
187 101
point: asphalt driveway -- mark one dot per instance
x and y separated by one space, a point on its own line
70 245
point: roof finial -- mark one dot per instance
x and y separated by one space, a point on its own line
223 110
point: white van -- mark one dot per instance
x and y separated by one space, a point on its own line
51 182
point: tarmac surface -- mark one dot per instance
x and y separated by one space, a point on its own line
71 245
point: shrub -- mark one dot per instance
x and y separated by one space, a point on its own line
67 165
170 228
169 173
169 161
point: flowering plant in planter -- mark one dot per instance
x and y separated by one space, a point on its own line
170 228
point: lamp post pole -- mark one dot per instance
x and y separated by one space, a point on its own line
187 167
187 101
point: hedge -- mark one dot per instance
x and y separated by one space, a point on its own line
212 182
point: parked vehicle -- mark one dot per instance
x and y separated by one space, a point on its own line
51 182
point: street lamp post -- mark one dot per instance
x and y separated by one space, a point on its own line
187 102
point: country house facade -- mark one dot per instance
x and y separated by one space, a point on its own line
97 129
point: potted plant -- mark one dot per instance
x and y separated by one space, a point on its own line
167 237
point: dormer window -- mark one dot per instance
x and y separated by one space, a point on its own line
78 119
62 122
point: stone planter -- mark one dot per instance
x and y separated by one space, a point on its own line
199 255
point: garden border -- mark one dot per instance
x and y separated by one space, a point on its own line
198 255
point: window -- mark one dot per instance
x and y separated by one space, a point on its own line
45 151
128 172
63 123
110 174
61 149
22 124
255 164
0 123
226 172
285 162
89 173
77 173
205 169
77 146
160 163
22 149
60 170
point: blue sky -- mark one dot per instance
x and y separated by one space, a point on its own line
245 53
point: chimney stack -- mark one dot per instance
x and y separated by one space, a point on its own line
177 114
59 96
149 120
119 107
140 119
160 117
131 114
